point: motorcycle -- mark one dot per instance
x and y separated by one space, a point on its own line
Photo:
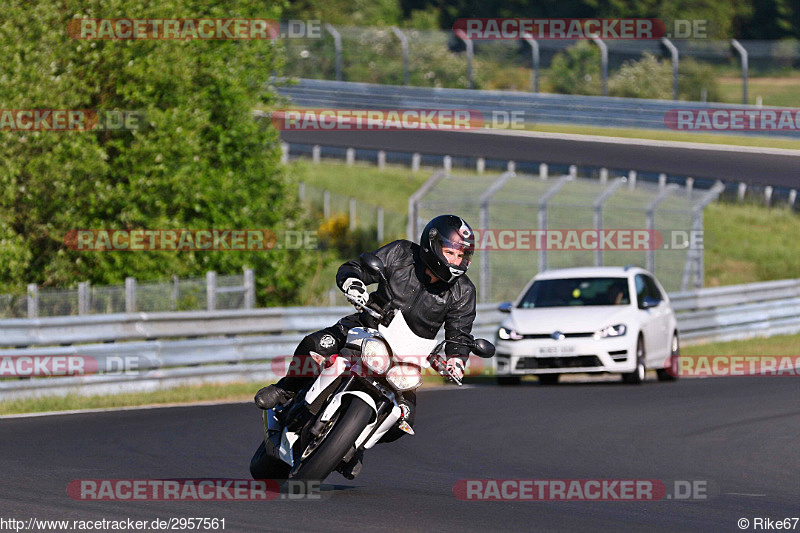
355 400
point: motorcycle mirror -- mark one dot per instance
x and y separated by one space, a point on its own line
374 263
483 348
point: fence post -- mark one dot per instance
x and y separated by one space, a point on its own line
381 159
603 64
175 292
316 153
745 66
130 295
742 190
480 165
573 171
632 179
337 44
249 288
352 214
404 47
535 63
662 181
543 171
448 163
416 158
768 194
380 225
674 53
326 204
33 300
284 153
689 187
792 198
211 290
350 156
301 191
511 166
84 295
603 176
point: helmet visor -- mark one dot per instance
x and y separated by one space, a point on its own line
455 252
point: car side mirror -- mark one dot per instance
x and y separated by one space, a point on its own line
374 263
483 348
649 302
504 307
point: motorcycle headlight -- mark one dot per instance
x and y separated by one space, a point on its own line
404 377
611 331
375 355
508 334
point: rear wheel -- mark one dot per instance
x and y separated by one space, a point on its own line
637 376
266 466
327 454
670 372
548 379
508 380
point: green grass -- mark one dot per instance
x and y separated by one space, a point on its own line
778 92
778 345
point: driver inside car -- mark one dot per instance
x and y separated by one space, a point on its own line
430 288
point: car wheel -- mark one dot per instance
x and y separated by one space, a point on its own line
671 373
508 380
548 379
637 376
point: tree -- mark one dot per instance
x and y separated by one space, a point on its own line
201 161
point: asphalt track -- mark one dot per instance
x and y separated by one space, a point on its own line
738 434
758 166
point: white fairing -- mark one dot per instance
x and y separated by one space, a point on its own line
325 378
406 345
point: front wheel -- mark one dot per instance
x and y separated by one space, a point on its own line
671 374
342 436
637 376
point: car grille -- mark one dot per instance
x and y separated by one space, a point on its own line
566 335
580 361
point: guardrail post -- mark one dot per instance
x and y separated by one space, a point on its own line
326 204
632 179
416 159
603 176
284 153
674 53
130 295
33 300
768 194
511 166
742 190
603 64
211 290
337 44
84 296
350 156
470 53
301 191
316 153
381 159
534 63
573 171
792 198
745 67
249 288
598 213
480 165
689 187
662 181
404 47
380 225
352 214
447 163
543 171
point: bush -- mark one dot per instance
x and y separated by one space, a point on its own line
576 70
334 234
693 77
646 78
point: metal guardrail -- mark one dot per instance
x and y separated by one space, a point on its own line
192 347
531 107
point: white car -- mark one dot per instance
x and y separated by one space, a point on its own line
595 319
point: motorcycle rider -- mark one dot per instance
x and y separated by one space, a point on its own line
429 286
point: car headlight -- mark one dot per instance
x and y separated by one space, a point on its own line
611 331
375 355
508 334
404 377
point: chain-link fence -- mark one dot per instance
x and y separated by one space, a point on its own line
435 58
192 294
508 212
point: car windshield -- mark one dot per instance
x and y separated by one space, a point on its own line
576 292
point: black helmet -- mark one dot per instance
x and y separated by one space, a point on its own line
447 231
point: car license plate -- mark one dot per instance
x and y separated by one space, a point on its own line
552 351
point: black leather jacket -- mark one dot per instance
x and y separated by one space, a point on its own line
426 306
